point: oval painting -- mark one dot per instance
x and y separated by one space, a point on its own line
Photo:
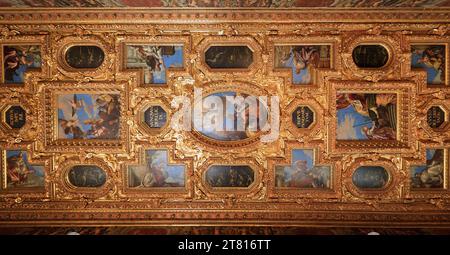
370 56
224 117
233 57
228 176
87 176
370 177
85 57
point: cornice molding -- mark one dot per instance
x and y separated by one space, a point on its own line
214 15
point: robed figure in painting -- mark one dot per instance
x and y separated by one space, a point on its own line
156 177
376 113
430 58
430 175
20 173
302 60
17 60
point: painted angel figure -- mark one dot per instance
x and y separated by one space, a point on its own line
156 176
69 121
152 56
378 109
302 59
17 61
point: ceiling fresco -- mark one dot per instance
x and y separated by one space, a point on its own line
155 117
226 3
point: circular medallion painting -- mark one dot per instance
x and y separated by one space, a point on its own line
85 56
87 176
370 177
370 56
229 116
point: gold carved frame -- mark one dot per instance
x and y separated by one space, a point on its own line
405 104
159 192
50 117
158 40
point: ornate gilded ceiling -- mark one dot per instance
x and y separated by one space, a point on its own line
224 3
216 117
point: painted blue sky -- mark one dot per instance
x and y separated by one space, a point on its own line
299 154
417 169
431 72
175 172
430 153
350 124
296 78
421 168
170 61
367 177
229 131
304 154
64 110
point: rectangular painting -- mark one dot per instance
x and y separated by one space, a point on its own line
230 176
17 59
88 116
156 172
154 61
430 175
362 116
302 60
20 173
303 173
432 59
